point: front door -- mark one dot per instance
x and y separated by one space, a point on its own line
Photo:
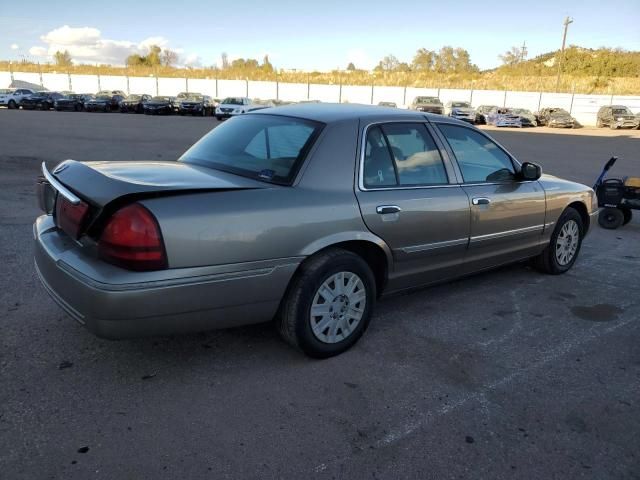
507 214
407 198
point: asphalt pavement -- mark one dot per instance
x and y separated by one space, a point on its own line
508 374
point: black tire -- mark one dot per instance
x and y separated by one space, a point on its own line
611 218
294 317
613 126
547 262
219 118
628 215
599 123
12 105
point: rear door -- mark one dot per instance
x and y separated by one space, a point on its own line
409 197
507 213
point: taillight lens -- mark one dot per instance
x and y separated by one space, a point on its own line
70 217
132 240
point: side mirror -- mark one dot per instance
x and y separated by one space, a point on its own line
530 171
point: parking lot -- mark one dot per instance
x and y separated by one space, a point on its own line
507 374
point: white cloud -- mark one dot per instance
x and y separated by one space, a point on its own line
14 46
359 58
86 45
192 60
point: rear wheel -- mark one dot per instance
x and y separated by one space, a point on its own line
328 305
611 218
563 249
599 123
12 104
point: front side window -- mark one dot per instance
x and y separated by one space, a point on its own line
479 159
266 147
402 154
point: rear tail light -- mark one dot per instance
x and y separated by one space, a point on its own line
132 240
69 217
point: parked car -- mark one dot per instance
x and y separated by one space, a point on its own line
304 213
161 105
196 104
556 117
388 104
503 117
40 100
134 103
104 103
616 116
460 110
72 102
427 104
180 97
527 118
232 106
11 97
481 113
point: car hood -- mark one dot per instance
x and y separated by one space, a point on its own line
102 182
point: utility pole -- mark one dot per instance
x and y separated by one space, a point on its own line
566 23
523 51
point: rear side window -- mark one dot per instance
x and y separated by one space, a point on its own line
402 154
480 160
266 147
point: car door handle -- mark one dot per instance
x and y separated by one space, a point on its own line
481 201
384 209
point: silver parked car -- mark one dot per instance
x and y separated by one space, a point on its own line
305 214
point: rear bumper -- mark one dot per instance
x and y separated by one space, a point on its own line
114 303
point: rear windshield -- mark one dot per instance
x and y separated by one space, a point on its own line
265 147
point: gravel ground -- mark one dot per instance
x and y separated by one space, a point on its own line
508 374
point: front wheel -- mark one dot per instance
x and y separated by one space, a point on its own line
563 249
12 105
611 218
328 305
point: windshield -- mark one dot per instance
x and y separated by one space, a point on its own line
461 104
195 98
134 97
427 100
103 97
233 100
558 112
265 147
521 111
161 99
72 96
622 111
183 95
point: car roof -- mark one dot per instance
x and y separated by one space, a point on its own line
335 112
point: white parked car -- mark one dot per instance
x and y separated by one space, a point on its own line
11 97
232 106
460 110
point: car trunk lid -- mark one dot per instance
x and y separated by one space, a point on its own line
100 183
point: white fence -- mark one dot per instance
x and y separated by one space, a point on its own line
582 107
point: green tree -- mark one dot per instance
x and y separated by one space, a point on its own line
423 60
63 59
511 57
351 67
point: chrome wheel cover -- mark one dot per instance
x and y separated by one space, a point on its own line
567 243
338 307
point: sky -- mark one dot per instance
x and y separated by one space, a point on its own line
310 35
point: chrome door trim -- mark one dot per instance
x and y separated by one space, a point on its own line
507 233
62 190
435 245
